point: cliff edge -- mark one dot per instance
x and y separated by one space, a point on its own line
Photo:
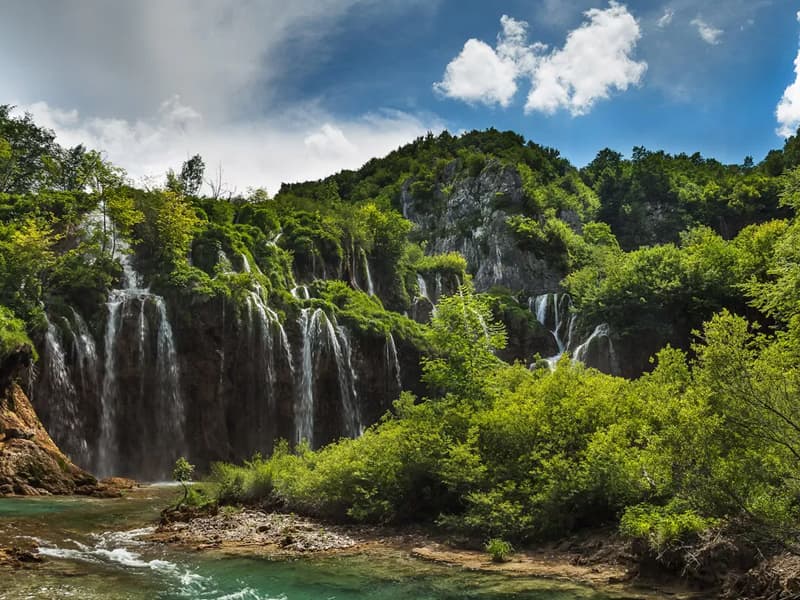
30 462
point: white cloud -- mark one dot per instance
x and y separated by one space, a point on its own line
788 109
595 59
666 18
711 35
482 74
304 144
218 56
221 66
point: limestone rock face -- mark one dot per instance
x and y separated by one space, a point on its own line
470 218
30 462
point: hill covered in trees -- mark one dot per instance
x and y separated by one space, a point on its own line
397 342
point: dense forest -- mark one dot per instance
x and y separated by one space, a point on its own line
489 263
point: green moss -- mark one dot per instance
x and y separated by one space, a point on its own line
12 335
451 263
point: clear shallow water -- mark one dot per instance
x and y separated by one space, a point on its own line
94 550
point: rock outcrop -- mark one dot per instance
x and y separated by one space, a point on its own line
30 462
469 217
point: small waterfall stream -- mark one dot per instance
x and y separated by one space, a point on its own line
554 312
370 286
268 342
86 353
320 335
62 409
393 362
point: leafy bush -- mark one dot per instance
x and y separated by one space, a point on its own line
662 526
12 334
498 549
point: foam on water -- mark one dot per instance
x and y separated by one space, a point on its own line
126 550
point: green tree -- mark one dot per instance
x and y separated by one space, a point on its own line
105 182
25 256
175 225
123 213
183 473
464 336
192 175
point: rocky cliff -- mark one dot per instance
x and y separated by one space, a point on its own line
30 462
468 215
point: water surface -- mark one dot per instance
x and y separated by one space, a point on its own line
94 549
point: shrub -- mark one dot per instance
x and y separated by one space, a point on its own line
499 549
662 526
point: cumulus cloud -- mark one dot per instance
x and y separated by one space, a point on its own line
595 59
709 34
788 109
666 18
487 75
306 143
153 82
124 58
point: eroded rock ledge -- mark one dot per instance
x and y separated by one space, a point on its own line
30 462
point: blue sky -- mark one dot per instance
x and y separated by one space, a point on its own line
275 93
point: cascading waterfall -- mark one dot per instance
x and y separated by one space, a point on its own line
264 326
166 415
225 264
173 416
107 449
340 342
601 331
85 352
62 410
393 362
116 405
320 333
423 288
301 292
553 311
304 412
423 293
370 286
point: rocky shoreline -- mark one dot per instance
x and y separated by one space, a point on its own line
598 560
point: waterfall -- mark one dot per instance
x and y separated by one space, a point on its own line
301 292
423 288
370 286
304 413
319 334
478 316
423 292
554 313
173 415
153 412
85 353
581 353
353 269
62 410
340 343
393 362
106 454
268 343
225 265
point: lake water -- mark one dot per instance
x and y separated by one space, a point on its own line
93 549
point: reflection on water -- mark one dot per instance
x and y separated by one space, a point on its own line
94 549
